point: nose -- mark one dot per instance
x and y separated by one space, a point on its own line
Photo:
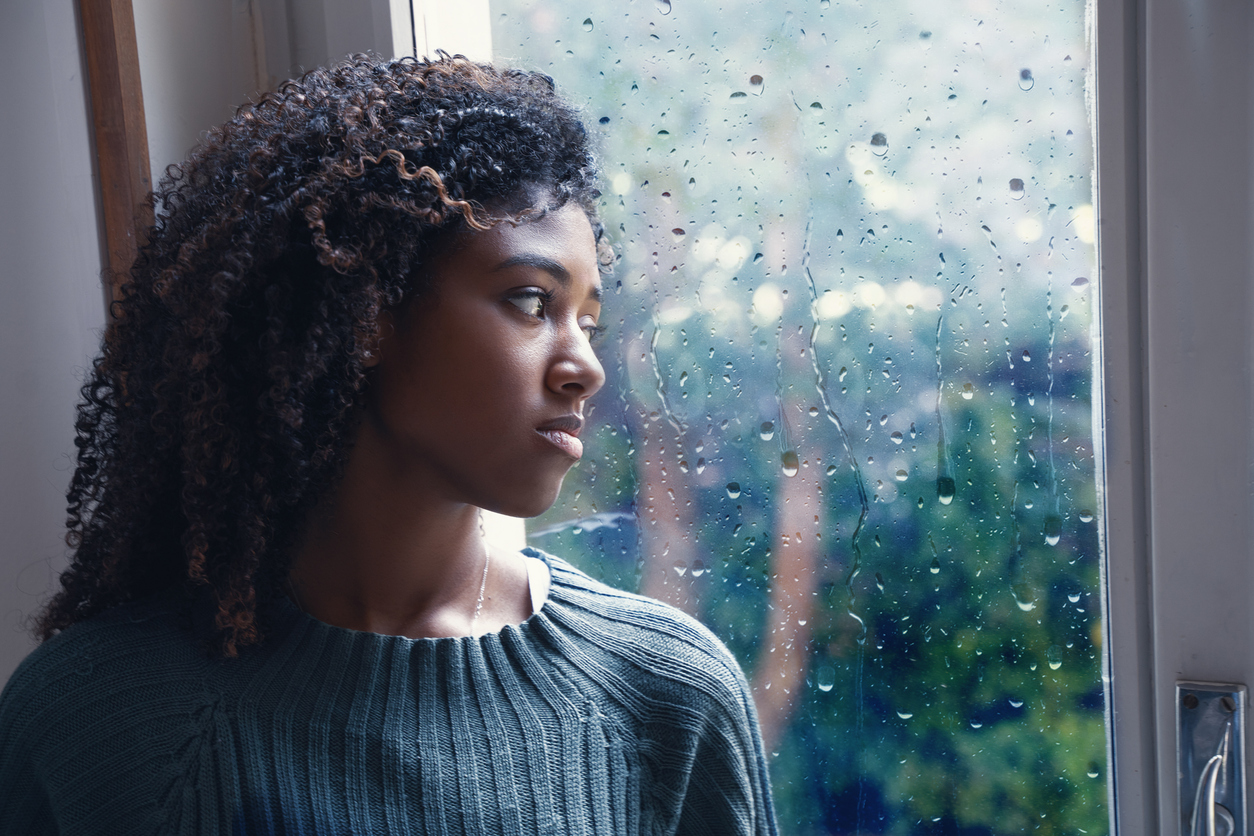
575 370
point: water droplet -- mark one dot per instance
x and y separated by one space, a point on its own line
1016 189
1053 529
935 567
1027 356
587 24
823 4
757 257
733 490
1054 657
814 410
1023 596
976 724
663 6
896 437
1074 597
879 144
945 489
701 465
1026 82
681 568
1014 703
825 678
767 431
816 105
831 470
678 232
604 120
1086 516
1094 770
756 81
879 581
968 392
840 376
790 463
698 568
840 235
1080 283
901 475
905 715
683 465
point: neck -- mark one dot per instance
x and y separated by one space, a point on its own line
380 556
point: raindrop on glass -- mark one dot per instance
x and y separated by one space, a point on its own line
968 392
1016 189
935 567
1053 529
1086 516
1080 283
879 581
767 431
976 724
1025 77
790 463
587 24
879 144
825 678
1027 356
945 489
698 568
896 437
905 715
681 568
663 6
1014 703
901 475
1054 657
733 490
1074 597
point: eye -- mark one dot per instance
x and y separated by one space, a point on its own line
532 301
593 331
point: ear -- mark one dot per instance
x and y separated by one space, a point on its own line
384 328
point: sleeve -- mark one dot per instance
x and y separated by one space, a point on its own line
24 804
729 789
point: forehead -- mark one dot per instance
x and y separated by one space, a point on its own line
561 236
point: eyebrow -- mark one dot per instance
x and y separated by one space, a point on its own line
550 266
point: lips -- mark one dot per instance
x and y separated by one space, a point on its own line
563 433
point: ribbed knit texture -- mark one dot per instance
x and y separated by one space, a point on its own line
604 713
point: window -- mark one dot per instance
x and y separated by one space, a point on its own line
852 341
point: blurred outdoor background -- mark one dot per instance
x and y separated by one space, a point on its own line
849 419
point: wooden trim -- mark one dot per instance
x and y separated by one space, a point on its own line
121 136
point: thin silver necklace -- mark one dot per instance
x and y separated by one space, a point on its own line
483 582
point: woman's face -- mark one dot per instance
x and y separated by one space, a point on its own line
481 382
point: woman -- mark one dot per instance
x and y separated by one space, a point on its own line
364 314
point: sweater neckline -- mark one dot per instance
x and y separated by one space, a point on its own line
295 615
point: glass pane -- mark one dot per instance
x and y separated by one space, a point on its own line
849 419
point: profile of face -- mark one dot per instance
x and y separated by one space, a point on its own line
480 385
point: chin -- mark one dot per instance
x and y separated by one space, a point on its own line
530 503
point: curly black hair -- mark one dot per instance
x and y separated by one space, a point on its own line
230 381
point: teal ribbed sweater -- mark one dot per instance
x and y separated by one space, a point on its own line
604 713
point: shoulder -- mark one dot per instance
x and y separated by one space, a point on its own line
94 668
648 638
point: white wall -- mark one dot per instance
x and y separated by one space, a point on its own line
52 305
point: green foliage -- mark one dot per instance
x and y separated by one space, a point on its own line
896 200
